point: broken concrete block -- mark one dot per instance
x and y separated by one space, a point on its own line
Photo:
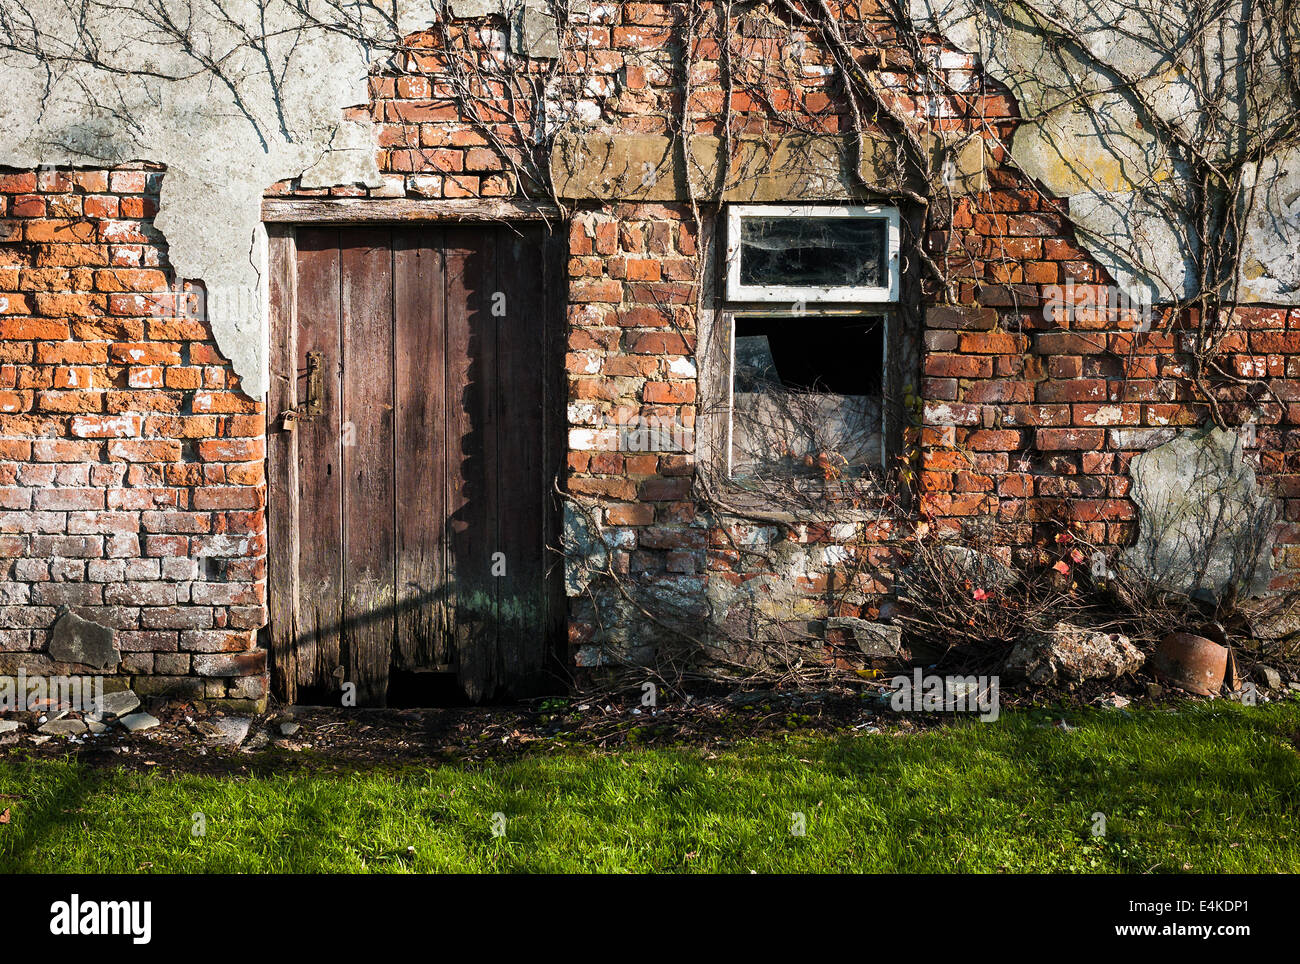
227 731
65 727
1204 523
77 640
1068 654
139 721
119 704
8 726
874 639
1271 678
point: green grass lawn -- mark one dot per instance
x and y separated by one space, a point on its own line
1208 788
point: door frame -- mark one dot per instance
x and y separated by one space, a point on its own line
281 218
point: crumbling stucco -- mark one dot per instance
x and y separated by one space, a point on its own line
1271 258
230 95
1205 523
585 551
1089 139
225 116
772 598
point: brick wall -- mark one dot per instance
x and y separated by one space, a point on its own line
1033 415
131 475
132 467
632 342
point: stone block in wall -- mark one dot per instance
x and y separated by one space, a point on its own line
607 165
77 640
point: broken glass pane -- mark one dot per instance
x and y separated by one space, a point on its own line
813 251
806 397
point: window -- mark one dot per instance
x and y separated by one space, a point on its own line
812 253
807 396
808 352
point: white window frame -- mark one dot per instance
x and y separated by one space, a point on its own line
812 294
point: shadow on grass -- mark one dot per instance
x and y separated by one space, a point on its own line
42 813
1178 790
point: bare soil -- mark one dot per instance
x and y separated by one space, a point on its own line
342 739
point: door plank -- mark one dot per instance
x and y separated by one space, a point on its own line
281 465
319 461
471 452
423 640
367 444
520 320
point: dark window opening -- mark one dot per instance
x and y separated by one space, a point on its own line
813 251
807 397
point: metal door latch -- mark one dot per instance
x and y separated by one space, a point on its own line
313 405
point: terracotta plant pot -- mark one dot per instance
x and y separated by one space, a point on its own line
1192 663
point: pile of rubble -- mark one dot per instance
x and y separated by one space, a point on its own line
121 714
119 710
1201 663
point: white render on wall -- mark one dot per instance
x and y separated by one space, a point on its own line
239 95
1085 139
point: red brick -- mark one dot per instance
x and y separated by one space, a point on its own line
670 393
1074 390
24 329
232 450
230 664
1051 439
658 343
630 514
223 402
958 366
27 206
992 343
993 440
128 182
100 207
22 182
233 497
144 451
106 426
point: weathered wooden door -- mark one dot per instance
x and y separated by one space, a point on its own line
414 419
